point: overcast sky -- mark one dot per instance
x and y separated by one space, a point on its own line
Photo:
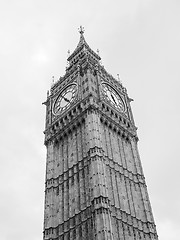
138 39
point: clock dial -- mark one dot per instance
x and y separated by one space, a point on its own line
65 99
113 97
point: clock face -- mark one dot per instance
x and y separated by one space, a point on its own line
65 99
113 97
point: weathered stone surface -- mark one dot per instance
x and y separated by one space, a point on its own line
95 187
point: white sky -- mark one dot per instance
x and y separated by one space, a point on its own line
140 40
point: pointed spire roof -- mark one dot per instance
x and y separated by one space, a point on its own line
82 40
82 43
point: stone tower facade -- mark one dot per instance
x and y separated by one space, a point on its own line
95 187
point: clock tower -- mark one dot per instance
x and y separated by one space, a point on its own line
95 187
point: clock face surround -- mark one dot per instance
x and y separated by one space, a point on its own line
65 99
113 97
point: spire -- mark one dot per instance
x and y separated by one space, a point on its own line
82 39
82 43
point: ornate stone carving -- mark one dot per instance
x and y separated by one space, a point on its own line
95 187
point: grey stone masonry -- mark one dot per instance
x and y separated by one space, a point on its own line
95 187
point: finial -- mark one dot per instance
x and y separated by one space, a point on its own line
81 30
99 56
68 53
52 79
67 64
119 78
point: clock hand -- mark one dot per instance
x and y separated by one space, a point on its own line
67 100
113 99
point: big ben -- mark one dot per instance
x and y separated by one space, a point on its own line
94 186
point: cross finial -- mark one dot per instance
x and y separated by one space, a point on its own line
81 30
